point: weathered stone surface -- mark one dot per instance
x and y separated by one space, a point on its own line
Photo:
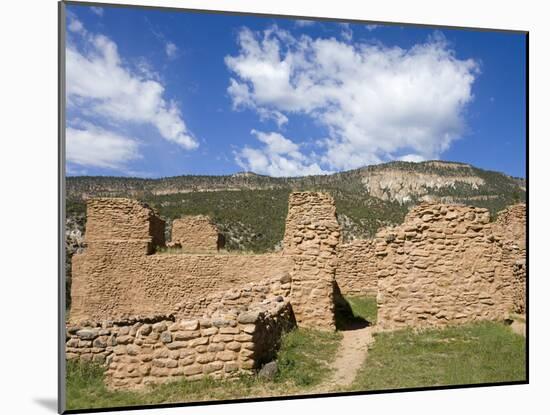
311 221
86 334
144 360
192 369
197 234
122 233
268 371
248 318
357 268
166 337
457 269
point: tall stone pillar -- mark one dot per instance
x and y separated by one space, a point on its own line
312 236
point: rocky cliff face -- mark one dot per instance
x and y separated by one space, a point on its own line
403 187
400 181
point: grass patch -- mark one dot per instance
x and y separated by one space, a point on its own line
305 355
476 353
355 312
364 307
303 363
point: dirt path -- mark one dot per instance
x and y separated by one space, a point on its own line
349 358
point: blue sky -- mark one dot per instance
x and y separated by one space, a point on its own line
155 93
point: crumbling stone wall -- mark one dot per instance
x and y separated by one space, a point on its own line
312 236
511 223
119 219
118 275
196 234
237 299
139 352
444 265
112 284
357 268
518 286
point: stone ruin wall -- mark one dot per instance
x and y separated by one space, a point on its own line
156 317
446 264
357 268
312 236
119 276
117 282
224 344
511 223
123 220
235 299
153 317
519 286
196 234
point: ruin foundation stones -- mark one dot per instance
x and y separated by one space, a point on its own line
150 317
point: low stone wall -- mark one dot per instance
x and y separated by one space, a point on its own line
443 265
196 234
356 271
235 300
312 236
139 352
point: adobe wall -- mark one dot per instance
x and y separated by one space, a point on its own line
312 236
118 276
357 268
115 282
196 234
445 264
120 219
138 351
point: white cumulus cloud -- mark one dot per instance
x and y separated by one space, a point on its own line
278 156
101 86
377 103
96 147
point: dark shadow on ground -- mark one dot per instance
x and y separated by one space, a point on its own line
345 319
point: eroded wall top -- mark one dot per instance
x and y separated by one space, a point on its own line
196 234
119 219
